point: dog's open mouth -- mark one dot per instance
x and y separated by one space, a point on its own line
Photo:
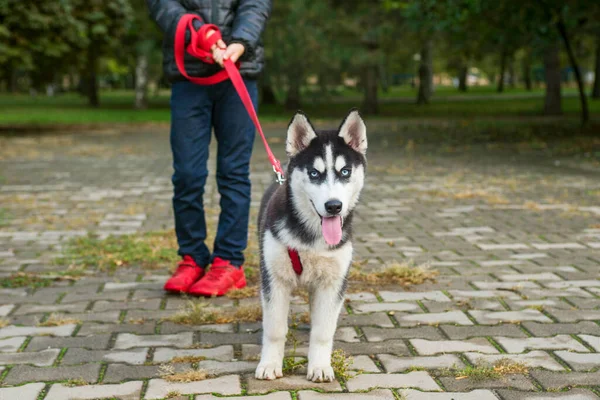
332 229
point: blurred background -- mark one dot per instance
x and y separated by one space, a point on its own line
88 62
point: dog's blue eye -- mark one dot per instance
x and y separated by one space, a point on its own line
314 174
345 172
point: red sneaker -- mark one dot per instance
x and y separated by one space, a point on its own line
220 278
186 274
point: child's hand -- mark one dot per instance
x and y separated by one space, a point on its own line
234 52
217 49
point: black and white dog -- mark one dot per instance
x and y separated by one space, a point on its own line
305 232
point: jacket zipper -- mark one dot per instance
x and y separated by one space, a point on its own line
214 12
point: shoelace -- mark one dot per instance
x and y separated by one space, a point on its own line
183 265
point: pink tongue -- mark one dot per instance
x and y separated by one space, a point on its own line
332 229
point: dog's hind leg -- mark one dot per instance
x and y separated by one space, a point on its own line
326 304
276 306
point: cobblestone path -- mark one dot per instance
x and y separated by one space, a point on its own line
516 241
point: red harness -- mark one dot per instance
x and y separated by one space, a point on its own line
199 47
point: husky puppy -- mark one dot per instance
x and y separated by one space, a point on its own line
307 222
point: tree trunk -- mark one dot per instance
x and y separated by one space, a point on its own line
292 99
141 82
463 71
527 70
503 57
267 95
596 88
562 29
512 78
425 74
370 104
92 78
552 102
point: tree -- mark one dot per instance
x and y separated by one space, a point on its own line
552 100
106 23
596 88
39 37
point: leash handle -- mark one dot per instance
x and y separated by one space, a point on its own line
198 48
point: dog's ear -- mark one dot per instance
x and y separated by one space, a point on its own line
299 135
354 132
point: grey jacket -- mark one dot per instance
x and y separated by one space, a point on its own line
240 21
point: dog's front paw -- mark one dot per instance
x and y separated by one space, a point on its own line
269 371
320 373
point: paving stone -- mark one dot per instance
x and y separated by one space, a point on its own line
430 347
560 380
585 327
505 285
576 315
544 303
227 367
549 246
6 309
533 359
574 394
11 345
593 341
465 332
377 394
30 391
503 246
77 356
508 381
376 319
464 305
389 346
128 341
421 332
542 276
450 317
399 364
544 293
377 307
225 385
147 328
221 353
492 318
480 394
363 363
346 334
64 330
416 379
413 296
580 283
271 396
458 295
361 296
215 339
150 304
559 342
124 391
580 361
94 342
169 327
40 358
51 308
294 382
116 373
24 373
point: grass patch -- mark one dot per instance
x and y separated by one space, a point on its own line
59 320
4 217
200 313
25 279
76 382
404 274
152 250
487 196
292 363
248 291
341 362
187 359
497 370
167 372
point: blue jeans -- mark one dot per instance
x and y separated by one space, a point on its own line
195 110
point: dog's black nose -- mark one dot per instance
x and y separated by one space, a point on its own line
333 207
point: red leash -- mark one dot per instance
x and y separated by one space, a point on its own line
199 47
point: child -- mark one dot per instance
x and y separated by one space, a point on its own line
195 110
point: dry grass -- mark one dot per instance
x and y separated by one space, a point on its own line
187 359
248 291
404 274
76 382
489 197
59 320
200 313
341 362
167 372
4 322
136 321
498 370
301 317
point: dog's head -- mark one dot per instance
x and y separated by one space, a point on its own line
326 172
